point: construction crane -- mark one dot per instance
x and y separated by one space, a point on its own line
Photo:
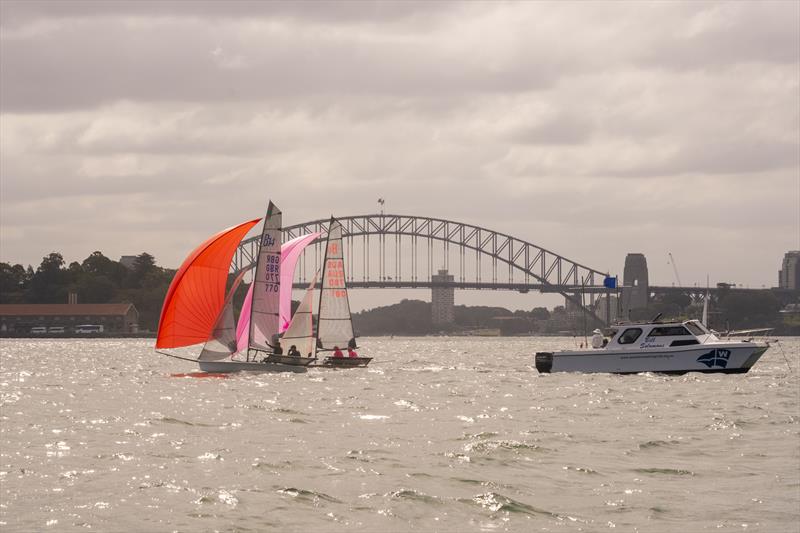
675 269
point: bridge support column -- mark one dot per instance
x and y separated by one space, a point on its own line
635 285
442 299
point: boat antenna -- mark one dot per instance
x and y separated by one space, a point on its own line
675 269
656 317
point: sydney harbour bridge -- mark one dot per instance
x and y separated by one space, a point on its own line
402 251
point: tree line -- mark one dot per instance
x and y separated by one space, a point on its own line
96 279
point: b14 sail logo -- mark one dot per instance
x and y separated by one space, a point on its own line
716 357
268 240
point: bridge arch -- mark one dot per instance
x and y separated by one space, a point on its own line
537 268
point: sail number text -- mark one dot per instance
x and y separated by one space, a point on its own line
272 273
334 277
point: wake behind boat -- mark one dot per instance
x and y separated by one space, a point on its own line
670 348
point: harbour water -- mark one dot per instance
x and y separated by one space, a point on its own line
437 434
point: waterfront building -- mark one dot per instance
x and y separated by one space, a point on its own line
606 308
128 261
115 318
789 274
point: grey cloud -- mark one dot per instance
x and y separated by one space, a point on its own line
90 63
148 126
562 129
720 156
20 12
731 33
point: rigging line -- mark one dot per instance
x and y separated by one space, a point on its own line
177 356
784 356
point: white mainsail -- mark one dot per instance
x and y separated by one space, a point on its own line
223 339
264 312
335 325
300 332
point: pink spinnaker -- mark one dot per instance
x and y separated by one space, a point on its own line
290 253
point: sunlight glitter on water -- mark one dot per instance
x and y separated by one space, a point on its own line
440 435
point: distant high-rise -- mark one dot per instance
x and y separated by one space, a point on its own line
442 299
789 274
635 284
128 261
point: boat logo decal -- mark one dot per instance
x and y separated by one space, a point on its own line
650 342
269 240
716 357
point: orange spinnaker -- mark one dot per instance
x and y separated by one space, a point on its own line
197 292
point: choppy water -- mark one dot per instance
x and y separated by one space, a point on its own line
438 434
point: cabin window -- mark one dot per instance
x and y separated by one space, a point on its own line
694 328
684 342
629 336
668 331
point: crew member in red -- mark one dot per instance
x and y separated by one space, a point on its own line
351 352
337 352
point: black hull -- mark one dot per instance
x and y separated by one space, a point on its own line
290 360
345 362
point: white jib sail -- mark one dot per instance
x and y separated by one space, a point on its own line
300 332
335 324
264 317
222 343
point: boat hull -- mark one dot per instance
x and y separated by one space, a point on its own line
345 362
290 360
728 358
252 366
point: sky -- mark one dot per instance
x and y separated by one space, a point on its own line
591 129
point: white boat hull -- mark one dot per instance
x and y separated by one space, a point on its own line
728 358
252 366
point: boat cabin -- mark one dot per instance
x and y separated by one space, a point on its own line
657 335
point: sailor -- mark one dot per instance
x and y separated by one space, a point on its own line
351 352
337 352
277 350
293 351
597 339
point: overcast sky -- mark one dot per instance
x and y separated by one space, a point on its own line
591 129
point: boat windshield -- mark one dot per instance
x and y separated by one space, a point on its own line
629 336
696 328
668 331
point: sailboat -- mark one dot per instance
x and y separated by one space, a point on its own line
334 322
300 334
196 309
290 253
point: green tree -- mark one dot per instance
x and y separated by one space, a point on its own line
50 282
12 283
743 310
143 266
540 313
96 289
